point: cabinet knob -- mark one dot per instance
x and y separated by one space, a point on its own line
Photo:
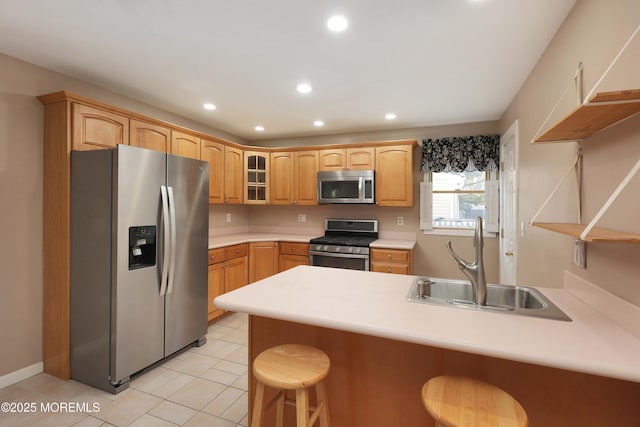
508 253
388 256
293 248
237 251
213 257
389 270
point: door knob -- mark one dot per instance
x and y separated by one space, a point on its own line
508 253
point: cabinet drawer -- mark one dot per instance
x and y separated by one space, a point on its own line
235 251
390 255
294 248
385 267
216 255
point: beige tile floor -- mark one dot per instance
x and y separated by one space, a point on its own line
205 386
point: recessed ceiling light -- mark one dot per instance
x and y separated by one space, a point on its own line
303 88
209 106
318 123
390 116
259 128
337 23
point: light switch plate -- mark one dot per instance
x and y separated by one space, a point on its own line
302 218
580 254
228 217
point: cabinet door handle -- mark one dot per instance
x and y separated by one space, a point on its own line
508 253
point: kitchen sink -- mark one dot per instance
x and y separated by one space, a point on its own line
516 300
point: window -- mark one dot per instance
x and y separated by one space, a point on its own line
460 183
453 200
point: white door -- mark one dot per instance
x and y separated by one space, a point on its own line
509 205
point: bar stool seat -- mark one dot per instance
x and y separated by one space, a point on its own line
292 367
465 402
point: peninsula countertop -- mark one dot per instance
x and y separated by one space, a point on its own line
375 304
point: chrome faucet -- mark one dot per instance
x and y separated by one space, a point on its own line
474 270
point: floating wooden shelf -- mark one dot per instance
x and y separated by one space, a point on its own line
596 234
603 110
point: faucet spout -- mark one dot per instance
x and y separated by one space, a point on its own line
474 270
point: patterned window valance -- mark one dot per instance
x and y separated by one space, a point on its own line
481 152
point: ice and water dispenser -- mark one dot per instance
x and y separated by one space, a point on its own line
142 247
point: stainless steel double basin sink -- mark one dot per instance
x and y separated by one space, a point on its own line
500 298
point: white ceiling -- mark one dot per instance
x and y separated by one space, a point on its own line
431 62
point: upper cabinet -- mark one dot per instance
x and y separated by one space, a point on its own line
150 136
281 182
256 175
394 175
294 178
95 128
233 166
305 182
186 145
347 159
213 152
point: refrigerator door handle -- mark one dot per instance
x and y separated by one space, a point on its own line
166 248
172 213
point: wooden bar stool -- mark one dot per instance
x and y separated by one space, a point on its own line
292 367
465 402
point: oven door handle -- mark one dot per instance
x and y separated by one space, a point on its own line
339 255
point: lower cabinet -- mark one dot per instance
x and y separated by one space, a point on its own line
228 270
263 260
292 254
397 261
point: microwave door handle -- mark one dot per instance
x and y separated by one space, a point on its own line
360 188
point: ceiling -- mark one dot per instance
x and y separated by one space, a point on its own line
431 62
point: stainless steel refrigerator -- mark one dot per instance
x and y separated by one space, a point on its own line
139 237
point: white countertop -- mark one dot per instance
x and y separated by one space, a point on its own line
237 238
247 237
374 304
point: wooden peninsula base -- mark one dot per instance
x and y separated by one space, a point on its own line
377 381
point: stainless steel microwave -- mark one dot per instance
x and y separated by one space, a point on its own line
346 186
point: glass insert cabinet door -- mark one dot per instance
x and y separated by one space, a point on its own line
256 169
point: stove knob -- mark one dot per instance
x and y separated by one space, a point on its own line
356 250
351 250
325 248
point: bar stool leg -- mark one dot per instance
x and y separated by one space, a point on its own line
280 409
302 407
258 405
321 395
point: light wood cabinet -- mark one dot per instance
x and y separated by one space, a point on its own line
236 273
294 178
394 175
94 128
185 145
292 254
256 177
398 261
233 165
213 152
263 260
281 180
305 180
149 136
228 270
360 158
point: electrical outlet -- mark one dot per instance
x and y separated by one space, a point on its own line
228 217
302 218
400 220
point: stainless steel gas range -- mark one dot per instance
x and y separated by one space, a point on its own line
345 244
